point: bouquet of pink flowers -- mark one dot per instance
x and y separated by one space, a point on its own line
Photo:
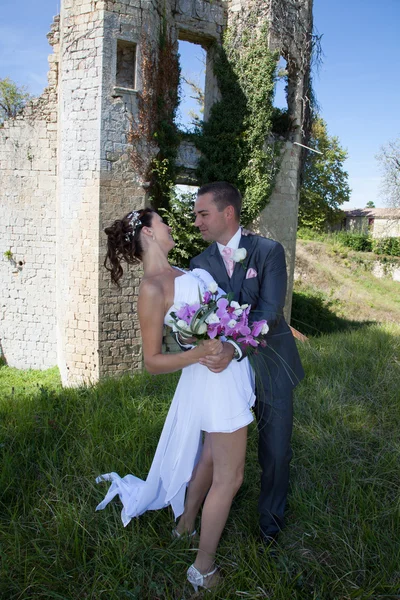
218 316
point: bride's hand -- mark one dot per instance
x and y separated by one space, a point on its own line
213 346
209 347
218 363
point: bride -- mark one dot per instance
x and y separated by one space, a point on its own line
189 467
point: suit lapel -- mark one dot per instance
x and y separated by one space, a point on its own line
239 272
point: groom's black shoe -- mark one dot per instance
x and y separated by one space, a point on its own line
269 539
268 546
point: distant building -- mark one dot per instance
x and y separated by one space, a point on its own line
379 222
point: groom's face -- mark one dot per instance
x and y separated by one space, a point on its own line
212 223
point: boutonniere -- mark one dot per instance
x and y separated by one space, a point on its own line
239 256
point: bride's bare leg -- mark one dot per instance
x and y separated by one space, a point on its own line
228 453
198 488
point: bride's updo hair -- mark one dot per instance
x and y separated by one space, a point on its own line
123 241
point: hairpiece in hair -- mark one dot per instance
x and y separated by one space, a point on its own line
134 222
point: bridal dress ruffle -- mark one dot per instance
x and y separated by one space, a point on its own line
203 401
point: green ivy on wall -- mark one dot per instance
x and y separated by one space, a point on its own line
235 142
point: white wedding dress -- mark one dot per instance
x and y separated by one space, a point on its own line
203 401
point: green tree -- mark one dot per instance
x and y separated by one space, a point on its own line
180 216
12 99
389 162
370 204
198 96
325 182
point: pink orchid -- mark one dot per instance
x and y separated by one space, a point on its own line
222 307
187 311
248 340
213 330
225 318
257 327
243 329
230 331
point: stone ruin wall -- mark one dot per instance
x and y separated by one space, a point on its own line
28 152
94 189
121 190
69 312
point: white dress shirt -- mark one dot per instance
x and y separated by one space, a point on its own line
233 242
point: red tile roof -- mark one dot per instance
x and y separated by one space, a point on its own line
376 213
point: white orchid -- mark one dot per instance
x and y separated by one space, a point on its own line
238 309
183 325
212 287
199 329
212 319
264 329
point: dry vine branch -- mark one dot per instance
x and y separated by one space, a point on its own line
141 132
153 132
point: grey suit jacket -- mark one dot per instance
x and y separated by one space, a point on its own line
277 367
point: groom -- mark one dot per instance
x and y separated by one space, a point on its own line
258 279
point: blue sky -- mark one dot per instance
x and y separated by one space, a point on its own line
357 86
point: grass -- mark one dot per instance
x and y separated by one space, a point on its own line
343 529
341 541
27 383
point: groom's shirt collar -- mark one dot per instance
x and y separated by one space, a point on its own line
233 242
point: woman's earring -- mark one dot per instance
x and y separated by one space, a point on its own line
153 237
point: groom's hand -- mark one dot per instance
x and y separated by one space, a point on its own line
218 362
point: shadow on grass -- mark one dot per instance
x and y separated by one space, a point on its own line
315 315
342 522
346 460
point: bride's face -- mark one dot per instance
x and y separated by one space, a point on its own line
162 233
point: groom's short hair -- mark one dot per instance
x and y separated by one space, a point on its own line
224 194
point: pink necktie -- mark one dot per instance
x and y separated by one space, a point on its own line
227 254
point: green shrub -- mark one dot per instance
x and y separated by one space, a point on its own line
306 233
387 245
361 242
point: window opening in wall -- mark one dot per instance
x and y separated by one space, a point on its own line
192 58
281 123
186 192
281 82
126 65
